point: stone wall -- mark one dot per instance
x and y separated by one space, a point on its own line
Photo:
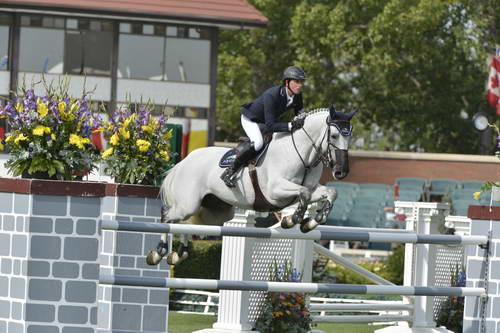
484 221
51 254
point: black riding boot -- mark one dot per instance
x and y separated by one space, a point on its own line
246 153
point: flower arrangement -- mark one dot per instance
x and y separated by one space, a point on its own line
139 151
486 187
49 136
452 312
284 312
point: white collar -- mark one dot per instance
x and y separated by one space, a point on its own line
289 99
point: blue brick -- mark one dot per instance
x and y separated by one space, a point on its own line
72 314
126 317
65 269
64 226
86 227
41 224
38 268
81 291
85 207
153 207
42 329
133 295
44 313
154 318
6 199
131 206
85 249
45 290
45 247
50 205
21 203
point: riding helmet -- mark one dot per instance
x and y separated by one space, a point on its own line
294 73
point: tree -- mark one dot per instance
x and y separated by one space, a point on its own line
415 68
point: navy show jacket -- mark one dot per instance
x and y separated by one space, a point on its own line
268 108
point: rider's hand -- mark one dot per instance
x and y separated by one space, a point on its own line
297 123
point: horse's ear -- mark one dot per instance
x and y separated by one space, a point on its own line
333 112
349 115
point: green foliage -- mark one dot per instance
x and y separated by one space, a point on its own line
395 266
284 312
203 262
140 146
415 68
452 312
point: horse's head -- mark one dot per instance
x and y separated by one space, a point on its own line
339 135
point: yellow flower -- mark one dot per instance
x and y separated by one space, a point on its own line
86 141
476 195
9 139
124 133
165 155
143 145
40 130
114 139
53 136
1 147
19 107
42 108
148 129
168 135
61 107
77 141
108 152
97 130
20 137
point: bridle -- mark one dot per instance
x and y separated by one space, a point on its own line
345 129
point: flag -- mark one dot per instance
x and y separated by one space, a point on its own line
493 93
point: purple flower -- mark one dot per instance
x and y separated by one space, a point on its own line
30 149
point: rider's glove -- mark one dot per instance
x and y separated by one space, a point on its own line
297 123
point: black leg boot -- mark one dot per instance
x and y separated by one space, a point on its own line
244 155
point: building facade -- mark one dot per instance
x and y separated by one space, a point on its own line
160 51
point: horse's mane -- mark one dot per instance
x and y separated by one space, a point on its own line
313 112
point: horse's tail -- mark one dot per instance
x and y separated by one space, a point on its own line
166 185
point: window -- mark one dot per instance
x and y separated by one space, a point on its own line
5 22
147 53
188 60
141 57
88 48
72 46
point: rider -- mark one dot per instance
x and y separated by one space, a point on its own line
264 112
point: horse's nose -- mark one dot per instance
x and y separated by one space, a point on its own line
338 175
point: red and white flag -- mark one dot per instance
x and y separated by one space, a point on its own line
493 93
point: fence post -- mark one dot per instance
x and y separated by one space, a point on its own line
234 306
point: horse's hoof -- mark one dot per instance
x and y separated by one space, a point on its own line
308 225
287 223
173 258
153 258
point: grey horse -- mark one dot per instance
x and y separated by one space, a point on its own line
192 192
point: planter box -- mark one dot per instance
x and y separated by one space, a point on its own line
52 250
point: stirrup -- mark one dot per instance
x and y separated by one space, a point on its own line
227 177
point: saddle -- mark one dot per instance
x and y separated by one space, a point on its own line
260 204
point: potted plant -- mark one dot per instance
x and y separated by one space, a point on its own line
49 135
285 311
139 151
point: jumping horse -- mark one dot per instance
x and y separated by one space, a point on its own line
289 173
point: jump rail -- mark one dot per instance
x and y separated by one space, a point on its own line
340 307
360 318
206 284
291 233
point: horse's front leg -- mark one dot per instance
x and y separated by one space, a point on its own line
282 189
325 196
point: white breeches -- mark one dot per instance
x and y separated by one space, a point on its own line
253 132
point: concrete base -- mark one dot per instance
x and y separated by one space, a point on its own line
401 329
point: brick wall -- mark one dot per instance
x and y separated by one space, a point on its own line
50 257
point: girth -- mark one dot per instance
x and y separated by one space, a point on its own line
260 204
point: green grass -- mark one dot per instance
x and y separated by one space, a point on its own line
187 323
